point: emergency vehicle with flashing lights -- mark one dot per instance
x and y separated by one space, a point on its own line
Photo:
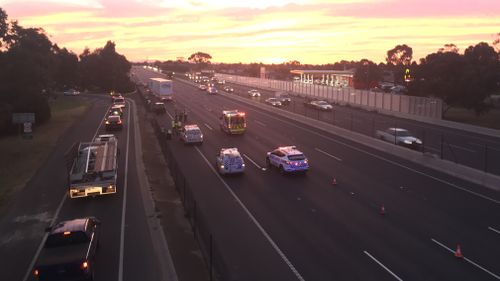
69 251
288 159
229 161
233 122
191 134
94 168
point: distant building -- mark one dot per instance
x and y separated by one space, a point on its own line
339 78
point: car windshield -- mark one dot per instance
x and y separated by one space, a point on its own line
66 239
296 157
114 118
119 100
322 103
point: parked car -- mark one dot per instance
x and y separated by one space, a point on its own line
229 161
69 251
319 104
274 102
287 159
191 134
399 136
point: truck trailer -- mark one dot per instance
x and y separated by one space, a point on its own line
161 88
94 168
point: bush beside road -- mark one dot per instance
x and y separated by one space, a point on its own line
21 158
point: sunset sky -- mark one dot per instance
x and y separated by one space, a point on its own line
269 31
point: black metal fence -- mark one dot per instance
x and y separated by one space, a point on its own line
201 229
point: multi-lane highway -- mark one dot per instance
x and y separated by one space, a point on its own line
129 250
475 150
301 227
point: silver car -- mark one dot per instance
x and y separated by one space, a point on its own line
274 102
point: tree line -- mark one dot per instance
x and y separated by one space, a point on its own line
33 69
461 80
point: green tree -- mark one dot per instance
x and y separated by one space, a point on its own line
367 74
448 48
400 55
460 80
200 57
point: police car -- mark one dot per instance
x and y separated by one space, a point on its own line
229 161
191 134
287 159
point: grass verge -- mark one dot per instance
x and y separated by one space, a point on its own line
21 158
488 120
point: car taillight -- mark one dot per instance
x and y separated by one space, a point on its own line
107 122
35 272
119 122
85 265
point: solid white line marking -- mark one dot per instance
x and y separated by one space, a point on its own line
494 230
382 158
260 123
208 126
383 266
253 162
124 204
466 259
254 220
56 215
328 154
52 222
462 148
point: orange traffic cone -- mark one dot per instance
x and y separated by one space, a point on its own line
334 182
458 252
382 209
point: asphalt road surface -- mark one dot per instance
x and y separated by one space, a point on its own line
478 151
126 248
301 227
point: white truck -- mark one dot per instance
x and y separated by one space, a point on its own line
94 168
161 88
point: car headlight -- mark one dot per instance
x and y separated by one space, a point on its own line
407 141
418 141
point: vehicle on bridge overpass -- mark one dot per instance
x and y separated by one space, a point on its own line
233 122
94 168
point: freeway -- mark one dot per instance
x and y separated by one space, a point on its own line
471 149
127 250
274 227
